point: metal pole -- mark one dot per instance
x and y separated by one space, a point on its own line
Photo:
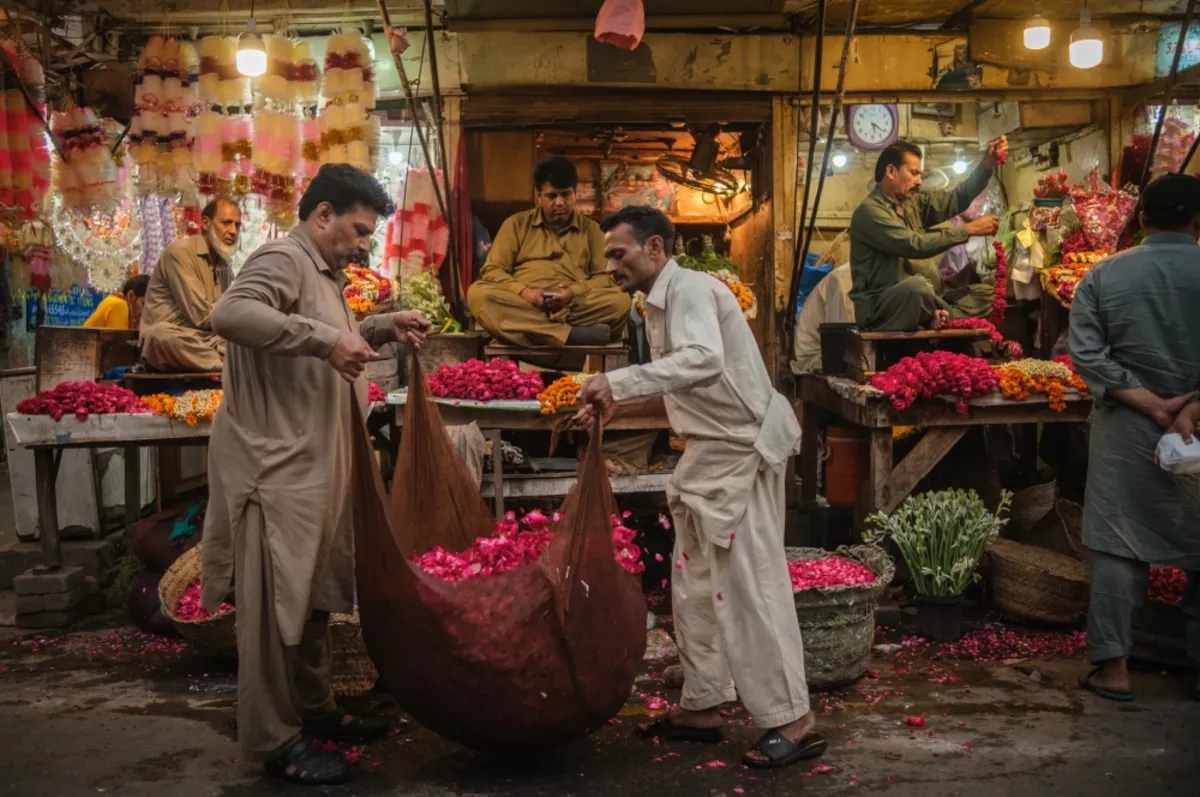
451 251
813 131
1158 126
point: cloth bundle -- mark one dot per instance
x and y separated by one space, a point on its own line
24 158
531 658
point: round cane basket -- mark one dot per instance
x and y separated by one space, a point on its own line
214 636
1036 584
353 671
837 624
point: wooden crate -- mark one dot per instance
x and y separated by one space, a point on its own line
73 354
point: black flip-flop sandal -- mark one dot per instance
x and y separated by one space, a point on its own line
1085 683
782 751
305 765
358 730
668 731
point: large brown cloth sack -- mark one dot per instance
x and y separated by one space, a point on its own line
536 657
151 542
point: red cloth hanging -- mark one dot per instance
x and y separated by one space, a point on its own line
621 23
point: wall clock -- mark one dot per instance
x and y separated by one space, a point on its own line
872 126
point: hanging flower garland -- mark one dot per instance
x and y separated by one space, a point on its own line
1009 348
193 407
88 178
24 157
1000 291
166 96
349 132
107 243
365 290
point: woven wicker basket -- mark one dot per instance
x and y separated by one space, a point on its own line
353 671
1032 504
1036 584
838 623
216 635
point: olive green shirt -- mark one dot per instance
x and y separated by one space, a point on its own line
886 237
526 254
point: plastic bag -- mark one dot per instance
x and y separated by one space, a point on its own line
621 23
535 657
1175 456
1103 212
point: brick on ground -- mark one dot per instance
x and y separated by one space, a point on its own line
62 580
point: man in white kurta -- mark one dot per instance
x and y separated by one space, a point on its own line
735 620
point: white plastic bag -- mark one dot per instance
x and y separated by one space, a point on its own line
1175 456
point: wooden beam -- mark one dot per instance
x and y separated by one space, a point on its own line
929 451
1140 95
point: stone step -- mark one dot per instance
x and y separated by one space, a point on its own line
96 557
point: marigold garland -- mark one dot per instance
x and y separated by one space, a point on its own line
193 407
160 403
1020 380
562 393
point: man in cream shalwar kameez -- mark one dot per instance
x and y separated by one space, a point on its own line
735 620
279 517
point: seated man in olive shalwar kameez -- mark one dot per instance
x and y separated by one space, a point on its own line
279 517
890 236
176 331
1135 339
735 620
544 282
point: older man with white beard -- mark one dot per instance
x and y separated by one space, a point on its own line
176 330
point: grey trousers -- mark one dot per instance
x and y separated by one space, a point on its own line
1118 591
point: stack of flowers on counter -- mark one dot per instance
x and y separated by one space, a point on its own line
193 407
82 399
936 373
562 393
365 290
511 546
1022 378
375 394
495 380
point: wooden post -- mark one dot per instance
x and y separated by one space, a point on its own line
133 489
879 468
46 473
810 455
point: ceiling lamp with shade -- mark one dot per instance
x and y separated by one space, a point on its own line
1037 33
1087 48
251 53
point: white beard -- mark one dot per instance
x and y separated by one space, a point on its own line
224 251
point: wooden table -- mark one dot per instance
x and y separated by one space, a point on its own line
48 438
525 416
889 484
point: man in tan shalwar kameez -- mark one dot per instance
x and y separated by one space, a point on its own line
176 331
735 621
279 516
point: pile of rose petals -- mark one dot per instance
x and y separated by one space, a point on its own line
832 571
995 644
82 399
189 609
510 547
1167 585
494 380
375 394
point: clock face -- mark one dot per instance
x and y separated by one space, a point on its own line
872 126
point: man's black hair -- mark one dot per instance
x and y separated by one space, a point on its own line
893 155
136 284
645 223
345 187
1171 202
558 172
210 210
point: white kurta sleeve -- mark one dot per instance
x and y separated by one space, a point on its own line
697 353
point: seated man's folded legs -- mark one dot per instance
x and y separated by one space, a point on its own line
907 306
511 320
609 306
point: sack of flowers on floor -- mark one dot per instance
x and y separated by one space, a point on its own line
497 637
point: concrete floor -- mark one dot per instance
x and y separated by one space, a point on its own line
98 715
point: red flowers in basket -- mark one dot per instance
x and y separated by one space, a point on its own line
936 373
82 399
494 380
189 608
832 571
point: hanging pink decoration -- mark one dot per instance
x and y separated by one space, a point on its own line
621 23
24 161
89 175
417 236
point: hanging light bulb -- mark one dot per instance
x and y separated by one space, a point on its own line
1087 48
960 166
251 54
1037 33
840 160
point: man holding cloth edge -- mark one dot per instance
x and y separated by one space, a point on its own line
735 621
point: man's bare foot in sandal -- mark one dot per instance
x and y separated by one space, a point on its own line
681 725
305 764
784 746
